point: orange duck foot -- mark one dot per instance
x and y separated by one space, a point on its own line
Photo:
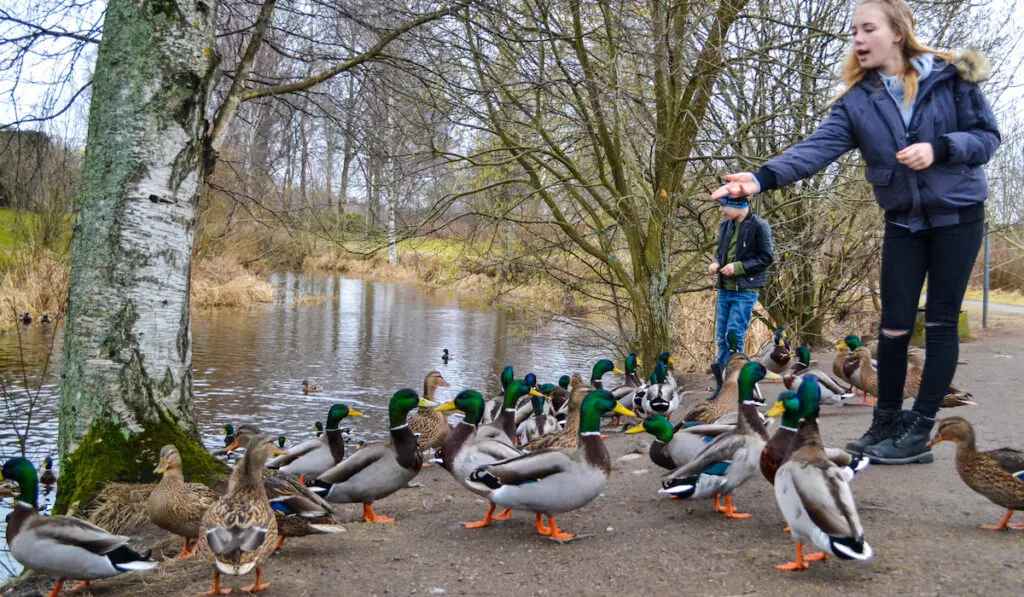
257 586
370 516
56 589
280 544
503 515
730 510
556 533
799 564
216 587
186 551
718 506
81 585
541 528
481 523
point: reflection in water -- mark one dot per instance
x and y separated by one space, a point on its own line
359 341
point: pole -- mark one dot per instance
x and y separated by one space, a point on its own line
984 298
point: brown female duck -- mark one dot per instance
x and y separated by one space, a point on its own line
432 426
176 506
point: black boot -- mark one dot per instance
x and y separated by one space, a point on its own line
717 370
909 447
884 425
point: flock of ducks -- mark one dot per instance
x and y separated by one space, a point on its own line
536 448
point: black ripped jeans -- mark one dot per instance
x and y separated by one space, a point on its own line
947 256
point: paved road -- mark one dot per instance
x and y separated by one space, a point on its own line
1000 307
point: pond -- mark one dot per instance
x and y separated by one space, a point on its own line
359 341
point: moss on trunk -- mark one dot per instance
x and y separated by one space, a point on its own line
110 452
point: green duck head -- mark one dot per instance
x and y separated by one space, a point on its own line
470 403
659 374
339 412
631 364
228 430
281 440
600 368
780 334
319 426
546 388
803 353
516 390
852 341
809 394
657 425
507 375
402 403
751 373
787 405
20 470
538 404
47 463
734 342
595 404
563 382
666 357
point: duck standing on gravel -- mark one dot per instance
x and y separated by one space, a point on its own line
550 482
176 506
62 546
315 455
379 470
996 474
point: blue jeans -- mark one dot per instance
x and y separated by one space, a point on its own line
734 309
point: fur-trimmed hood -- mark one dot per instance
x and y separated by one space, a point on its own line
972 65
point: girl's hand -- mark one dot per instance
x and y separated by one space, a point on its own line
738 184
917 156
713 268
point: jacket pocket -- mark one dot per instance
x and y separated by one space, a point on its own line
880 177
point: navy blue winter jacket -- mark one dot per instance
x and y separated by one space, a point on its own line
950 113
754 249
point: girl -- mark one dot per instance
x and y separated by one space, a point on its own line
925 132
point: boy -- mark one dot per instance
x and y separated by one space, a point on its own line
745 247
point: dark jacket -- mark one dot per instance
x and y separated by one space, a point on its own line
950 113
754 250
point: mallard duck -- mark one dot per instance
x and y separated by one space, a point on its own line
176 506
776 356
445 356
319 426
560 394
46 318
281 441
670 366
862 372
316 455
831 392
26 318
954 397
379 470
524 406
299 512
675 446
62 546
996 474
568 437
493 407
540 424
845 360
625 392
709 411
814 496
430 425
794 406
731 458
48 478
230 432
309 388
659 397
239 529
503 427
465 451
551 482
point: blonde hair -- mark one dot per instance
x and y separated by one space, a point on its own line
901 21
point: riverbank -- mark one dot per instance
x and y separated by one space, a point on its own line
921 521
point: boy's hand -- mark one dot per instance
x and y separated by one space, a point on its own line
727 270
713 268
917 156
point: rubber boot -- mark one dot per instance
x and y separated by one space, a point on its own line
717 370
909 447
885 424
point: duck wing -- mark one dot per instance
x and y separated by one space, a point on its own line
527 468
826 496
298 451
79 533
1010 460
347 468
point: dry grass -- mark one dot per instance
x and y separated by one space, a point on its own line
34 282
222 282
693 332
121 507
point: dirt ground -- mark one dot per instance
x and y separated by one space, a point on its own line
920 519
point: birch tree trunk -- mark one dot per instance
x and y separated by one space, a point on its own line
127 366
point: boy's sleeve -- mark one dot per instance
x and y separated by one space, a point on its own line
765 251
